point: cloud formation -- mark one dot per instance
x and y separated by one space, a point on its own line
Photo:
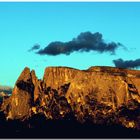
84 42
120 63
35 47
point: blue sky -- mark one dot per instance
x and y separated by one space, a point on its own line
23 24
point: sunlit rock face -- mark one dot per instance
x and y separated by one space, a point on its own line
102 95
55 77
19 104
105 95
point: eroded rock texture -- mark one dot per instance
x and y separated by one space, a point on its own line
18 105
102 95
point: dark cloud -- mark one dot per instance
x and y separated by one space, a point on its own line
127 64
35 47
84 42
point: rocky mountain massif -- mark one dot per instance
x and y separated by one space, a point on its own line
5 92
80 99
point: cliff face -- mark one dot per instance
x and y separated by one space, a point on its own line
57 76
102 95
19 103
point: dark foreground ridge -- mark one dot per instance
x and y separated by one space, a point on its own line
39 127
101 102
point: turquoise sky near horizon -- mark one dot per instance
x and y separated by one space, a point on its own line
23 24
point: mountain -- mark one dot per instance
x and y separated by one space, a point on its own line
6 89
104 96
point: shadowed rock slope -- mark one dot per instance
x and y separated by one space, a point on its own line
99 95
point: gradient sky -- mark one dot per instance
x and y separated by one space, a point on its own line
26 23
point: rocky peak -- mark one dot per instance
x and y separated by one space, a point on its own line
21 100
99 94
33 77
25 75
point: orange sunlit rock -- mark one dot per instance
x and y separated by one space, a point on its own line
103 95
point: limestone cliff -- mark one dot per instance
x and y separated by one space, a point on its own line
102 95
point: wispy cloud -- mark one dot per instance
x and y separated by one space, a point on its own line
35 47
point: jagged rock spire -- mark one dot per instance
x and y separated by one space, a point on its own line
22 96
